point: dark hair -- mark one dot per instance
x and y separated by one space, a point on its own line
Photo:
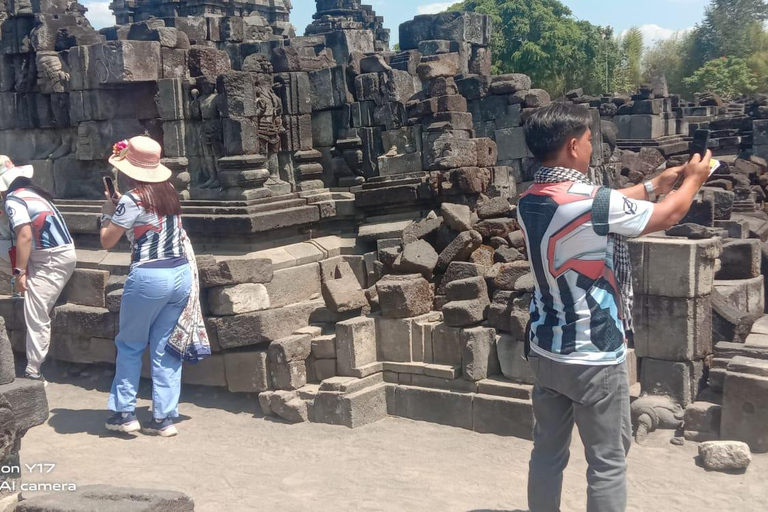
22 182
158 198
549 128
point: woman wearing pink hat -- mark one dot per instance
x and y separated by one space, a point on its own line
45 256
160 307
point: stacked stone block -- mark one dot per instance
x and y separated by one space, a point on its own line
673 313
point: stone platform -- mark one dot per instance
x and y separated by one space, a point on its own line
241 224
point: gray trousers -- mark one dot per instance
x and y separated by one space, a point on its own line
596 398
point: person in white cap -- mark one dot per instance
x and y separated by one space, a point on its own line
160 287
45 256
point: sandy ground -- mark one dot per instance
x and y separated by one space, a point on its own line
229 458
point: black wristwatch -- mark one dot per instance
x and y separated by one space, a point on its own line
19 272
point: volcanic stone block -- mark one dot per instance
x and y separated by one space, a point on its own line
238 299
87 288
292 348
447 345
400 164
511 357
511 144
459 270
355 344
435 66
119 62
678 380
247 371
404 296
233 271
329 88
692 275
395 336
418 257
288 376
674 329
208 372
467 289
479 357
172 99
747 295
745 404
352 409
462 313
241 136
289 406
703 417
296 93
645 126
457 216
502 416
94 497
487 152
237 94
503 276
196 28
344 293
500 310
501 227
282 287
460 248
533 98
263 326
510 83
435 406
205 61
72 319
496 207
298 134
83 349
740 259
448 151
325 369
324 347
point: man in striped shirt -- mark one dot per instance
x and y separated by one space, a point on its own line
580 312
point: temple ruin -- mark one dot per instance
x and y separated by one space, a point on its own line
352 208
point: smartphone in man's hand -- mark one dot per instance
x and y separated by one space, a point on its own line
699 146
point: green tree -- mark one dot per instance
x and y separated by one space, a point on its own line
632 47
726 76
729 28
541 38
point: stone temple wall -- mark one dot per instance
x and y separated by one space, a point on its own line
353 209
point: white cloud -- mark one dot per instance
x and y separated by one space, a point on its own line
434 8
653 33
99 14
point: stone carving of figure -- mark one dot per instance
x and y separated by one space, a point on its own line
205 107
269 112
50 73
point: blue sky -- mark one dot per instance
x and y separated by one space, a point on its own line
657 18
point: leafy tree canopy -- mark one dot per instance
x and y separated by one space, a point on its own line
726 76
542 39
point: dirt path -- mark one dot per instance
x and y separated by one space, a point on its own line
229 458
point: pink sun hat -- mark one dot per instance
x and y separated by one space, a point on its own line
139 159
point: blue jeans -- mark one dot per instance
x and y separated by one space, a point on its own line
153 299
